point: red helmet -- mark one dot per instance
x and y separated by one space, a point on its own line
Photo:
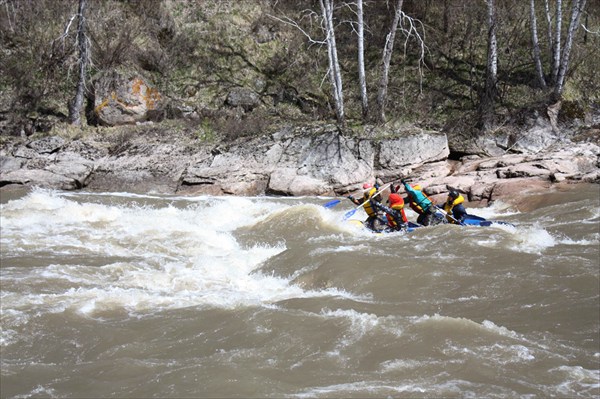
367 186
394 199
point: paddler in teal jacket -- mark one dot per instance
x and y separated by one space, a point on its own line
429 216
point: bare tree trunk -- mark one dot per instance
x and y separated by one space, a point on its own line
576 11
446 20
387 58
335 75
10 25
76 105
585 31
488 97
549 27
536 47
557 43
361 60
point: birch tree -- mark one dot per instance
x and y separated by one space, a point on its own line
362 81
76 105
576 11
410 28
556 42
387 58
335 76
549 26
560 56
536 47
489 94
333 71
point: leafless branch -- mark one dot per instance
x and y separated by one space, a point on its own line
590 31
65 33
288 21
414 25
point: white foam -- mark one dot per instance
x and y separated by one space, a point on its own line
533 240
362 324
593 239
496 210
172 257
525 239
491 326
577 381
39 391
163 256
338 390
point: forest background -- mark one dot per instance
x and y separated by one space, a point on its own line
226 69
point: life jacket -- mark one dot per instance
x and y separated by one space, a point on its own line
450 204
413 204
367 207
396 203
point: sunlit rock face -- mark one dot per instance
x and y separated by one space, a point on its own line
124 99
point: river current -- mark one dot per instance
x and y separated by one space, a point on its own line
125 295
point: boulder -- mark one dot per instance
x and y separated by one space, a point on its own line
243 97
288 181
38 177
10 164
305 161
413 149
531 169
515 188
73 166
122 99
65 171
47 145
592 177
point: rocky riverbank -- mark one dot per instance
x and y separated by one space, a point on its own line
295 160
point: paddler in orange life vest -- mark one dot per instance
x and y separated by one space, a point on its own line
374 219
454 207
394 214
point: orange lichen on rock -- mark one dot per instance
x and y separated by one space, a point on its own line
152 97
105 102
149 95
136 86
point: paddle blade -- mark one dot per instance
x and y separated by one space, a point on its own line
349 214
332 203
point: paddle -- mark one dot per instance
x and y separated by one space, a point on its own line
332 203
351 212
443 212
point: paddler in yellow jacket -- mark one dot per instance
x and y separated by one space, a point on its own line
375 219
454 207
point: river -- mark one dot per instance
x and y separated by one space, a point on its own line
126 295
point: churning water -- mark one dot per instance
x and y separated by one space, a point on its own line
122 295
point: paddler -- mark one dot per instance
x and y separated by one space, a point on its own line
396 219
374 219
422 204
454 207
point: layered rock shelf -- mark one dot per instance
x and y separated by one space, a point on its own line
294 161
